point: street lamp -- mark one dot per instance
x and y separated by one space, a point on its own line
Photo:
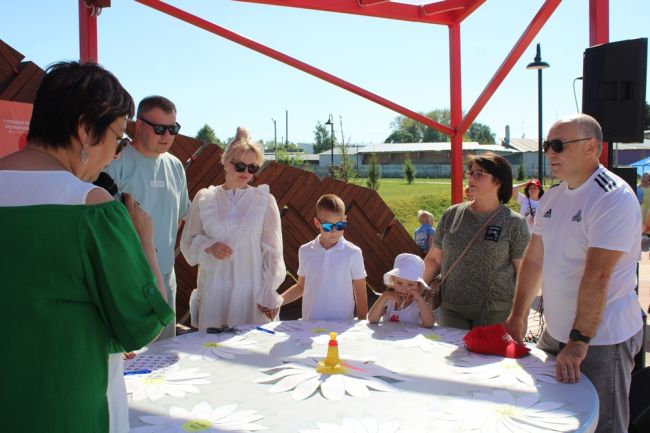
330 122
539 65
275 140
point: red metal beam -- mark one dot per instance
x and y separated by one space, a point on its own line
274 54
456 114
524 41
390 10
87 34
599 34
455 10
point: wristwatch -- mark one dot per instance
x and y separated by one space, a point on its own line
575 335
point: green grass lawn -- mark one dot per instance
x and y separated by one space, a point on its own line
433 195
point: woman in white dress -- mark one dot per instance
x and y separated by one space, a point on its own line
234 234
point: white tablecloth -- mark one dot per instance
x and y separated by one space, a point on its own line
398 379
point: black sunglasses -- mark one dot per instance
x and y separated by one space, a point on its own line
328 227
240 167
121 142
160 129
221 329
558 145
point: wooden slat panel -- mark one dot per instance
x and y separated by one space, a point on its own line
28 72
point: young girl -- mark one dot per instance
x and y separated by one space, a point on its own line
403 301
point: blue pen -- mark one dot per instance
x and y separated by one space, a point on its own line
144 371
268 331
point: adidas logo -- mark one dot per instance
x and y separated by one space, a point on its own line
605 182
577 217
547 214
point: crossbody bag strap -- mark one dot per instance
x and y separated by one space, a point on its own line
490 218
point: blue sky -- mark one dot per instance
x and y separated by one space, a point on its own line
217 82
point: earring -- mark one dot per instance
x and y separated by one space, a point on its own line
84 154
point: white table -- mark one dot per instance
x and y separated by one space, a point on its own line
400 379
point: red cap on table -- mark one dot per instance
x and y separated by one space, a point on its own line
494 340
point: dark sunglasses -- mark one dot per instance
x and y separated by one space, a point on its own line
221 329
476 174
121 142
160 129
558 145
327 227
240 167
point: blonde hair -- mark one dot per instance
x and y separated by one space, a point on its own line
240 145
429 216
330 203
390 285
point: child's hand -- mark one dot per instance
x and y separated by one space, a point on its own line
415 294
268 312
129 355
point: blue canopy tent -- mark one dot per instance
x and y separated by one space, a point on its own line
642 166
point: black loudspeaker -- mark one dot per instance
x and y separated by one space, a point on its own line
628 174
614 83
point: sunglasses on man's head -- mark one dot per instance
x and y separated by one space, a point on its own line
160 129
240 167
558 145
327 227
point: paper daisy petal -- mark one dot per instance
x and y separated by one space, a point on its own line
306 388
333 387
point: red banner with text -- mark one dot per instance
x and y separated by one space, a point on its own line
14 125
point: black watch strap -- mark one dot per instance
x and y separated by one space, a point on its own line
575 335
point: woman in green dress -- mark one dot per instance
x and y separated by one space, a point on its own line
77 267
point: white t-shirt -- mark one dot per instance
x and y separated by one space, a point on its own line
528 209
603 212
29 188
329 294
409 314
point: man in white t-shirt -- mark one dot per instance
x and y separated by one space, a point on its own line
584 251
331 274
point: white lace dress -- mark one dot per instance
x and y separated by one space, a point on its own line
229 290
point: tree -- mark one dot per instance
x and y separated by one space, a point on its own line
207 135
345 171
409 170
373 172
406 130
322 139
520 172
480 133
287 158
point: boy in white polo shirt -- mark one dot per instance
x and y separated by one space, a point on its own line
331 274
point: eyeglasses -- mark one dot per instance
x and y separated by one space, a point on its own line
327 227
122 142
476 174
240 167
558 145
160 129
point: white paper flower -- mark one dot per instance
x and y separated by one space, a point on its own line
171 380
212 346
365 425
307 332
202 418
301 376
429 342
501 412
526 371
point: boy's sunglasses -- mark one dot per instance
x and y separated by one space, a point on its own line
160 129
558 145
240 167
221 329
327 227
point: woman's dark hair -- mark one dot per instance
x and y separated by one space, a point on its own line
498 167
73 92
541 190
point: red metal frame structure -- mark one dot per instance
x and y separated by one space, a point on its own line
446 12
87 33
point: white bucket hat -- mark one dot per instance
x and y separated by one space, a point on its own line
407 266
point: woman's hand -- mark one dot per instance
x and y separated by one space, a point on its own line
268 312
219 250
141 221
